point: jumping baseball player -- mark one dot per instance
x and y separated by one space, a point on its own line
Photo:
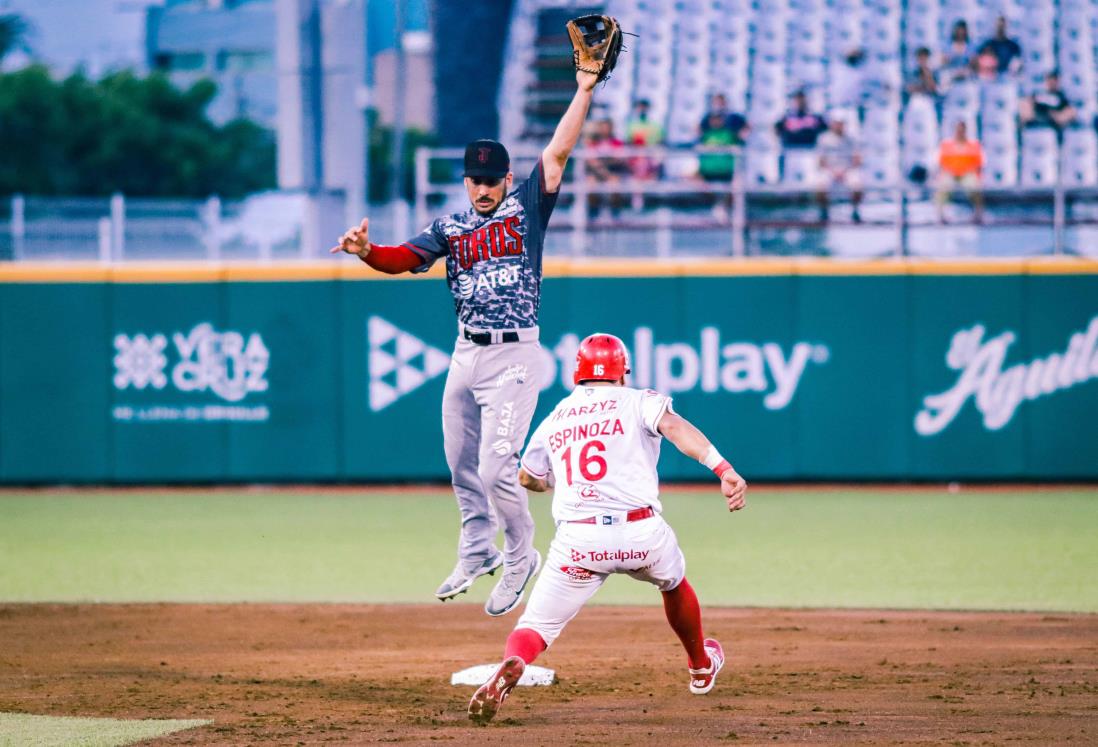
493 257
598 449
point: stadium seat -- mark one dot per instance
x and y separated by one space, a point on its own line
999 127
800 167
1039 157
1001 164
881 166
762 153
881 127
998 97
1079 158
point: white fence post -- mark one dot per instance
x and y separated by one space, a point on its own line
739 211
423 184
211 220
579 207
1059 213
104 239
663 232
18 225
118 226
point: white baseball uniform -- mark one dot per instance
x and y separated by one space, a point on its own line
601 446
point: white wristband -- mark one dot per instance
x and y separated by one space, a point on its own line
712 457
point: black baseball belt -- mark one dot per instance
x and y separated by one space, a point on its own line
498 336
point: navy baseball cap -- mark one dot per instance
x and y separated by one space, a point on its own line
486 158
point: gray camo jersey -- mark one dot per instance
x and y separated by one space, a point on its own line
493 262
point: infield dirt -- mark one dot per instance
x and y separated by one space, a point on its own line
355 674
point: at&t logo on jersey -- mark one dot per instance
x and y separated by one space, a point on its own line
469 283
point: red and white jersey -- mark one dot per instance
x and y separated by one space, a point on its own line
602 445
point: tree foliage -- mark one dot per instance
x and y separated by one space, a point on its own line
382 146
13 34
138 136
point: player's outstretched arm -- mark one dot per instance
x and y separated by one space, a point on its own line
387 259
692 442
555 155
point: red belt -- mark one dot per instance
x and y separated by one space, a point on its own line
635 515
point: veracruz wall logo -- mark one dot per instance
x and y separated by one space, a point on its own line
226 364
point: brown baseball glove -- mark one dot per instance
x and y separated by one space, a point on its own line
596 43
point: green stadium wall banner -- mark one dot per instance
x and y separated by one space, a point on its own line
797 371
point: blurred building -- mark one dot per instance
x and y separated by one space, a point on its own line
111 34
416 82
231 42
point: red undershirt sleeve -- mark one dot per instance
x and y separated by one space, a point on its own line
392 260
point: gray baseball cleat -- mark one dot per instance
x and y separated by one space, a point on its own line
459 581
509 589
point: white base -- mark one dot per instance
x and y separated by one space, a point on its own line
479 674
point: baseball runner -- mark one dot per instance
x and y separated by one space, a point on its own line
493 257
598 449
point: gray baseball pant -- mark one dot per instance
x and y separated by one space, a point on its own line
491 392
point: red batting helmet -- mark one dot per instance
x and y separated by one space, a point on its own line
601 357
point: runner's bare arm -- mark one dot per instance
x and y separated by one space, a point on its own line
692 442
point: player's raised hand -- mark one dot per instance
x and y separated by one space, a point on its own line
734 489
586 80
355 240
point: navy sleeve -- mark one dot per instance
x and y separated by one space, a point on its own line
534 197
430 245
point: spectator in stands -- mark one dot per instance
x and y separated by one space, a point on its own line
987 65
1048 108
800 128
718 116
642 131
923 81
957 60
720 128
1008 55
607 167
960 161
840 164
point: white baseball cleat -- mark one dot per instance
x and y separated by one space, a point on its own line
702 680
490 696
459 581
509 589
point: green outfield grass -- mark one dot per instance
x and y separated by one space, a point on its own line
925 548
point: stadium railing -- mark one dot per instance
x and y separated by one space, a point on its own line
673 214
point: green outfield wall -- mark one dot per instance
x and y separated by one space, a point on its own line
868 371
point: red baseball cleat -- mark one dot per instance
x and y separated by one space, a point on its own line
702 680
488 699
